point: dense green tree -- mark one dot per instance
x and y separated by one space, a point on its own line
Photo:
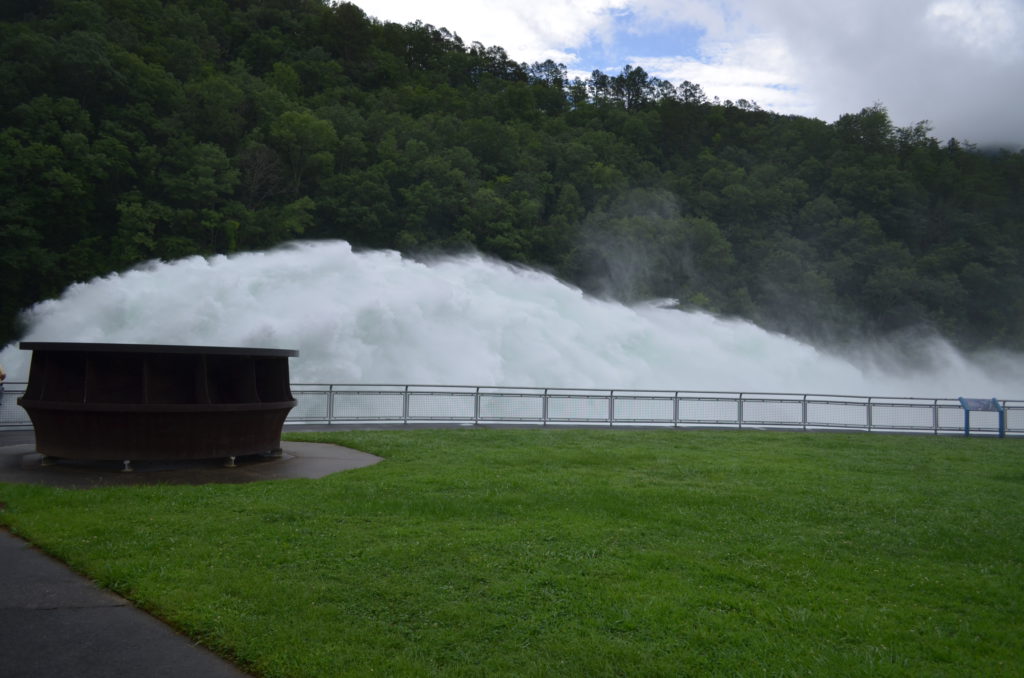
306 143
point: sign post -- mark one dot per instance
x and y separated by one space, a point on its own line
982 405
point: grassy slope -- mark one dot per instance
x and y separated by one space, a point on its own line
534 553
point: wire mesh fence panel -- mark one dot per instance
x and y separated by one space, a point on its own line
951 418
577 408
442 405
652 409
1015 418
310 405
355 405
902 415
512 406
773 412
708 410
843 414
11 413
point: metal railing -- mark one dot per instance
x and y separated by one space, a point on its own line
407 404
389 403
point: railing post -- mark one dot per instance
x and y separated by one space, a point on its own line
405 406
739 412
611 408
476 406
869 414
935 416
803 412
675 410
544 407
330 404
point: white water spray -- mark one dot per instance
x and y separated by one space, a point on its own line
374 317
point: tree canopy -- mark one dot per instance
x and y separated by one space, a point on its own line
142 129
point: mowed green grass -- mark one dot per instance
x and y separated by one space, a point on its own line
580 553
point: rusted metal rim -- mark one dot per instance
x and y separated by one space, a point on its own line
170 408
155 348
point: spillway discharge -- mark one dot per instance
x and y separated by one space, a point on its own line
376 317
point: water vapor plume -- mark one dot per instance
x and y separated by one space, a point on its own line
376 317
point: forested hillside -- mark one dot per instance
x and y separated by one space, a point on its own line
142 129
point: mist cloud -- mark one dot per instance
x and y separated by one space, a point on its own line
376 317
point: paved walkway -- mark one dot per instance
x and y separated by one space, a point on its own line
56 623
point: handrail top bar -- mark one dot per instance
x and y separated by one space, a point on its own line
617 391
155 348
540 389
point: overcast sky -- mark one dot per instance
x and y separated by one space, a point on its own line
957 63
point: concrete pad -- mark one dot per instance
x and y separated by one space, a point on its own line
20 463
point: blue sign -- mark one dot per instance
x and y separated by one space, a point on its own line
981 405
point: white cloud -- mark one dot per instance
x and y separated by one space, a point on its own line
758 68
529 30
713 16
988 29
957 63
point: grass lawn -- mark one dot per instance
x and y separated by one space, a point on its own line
580 553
